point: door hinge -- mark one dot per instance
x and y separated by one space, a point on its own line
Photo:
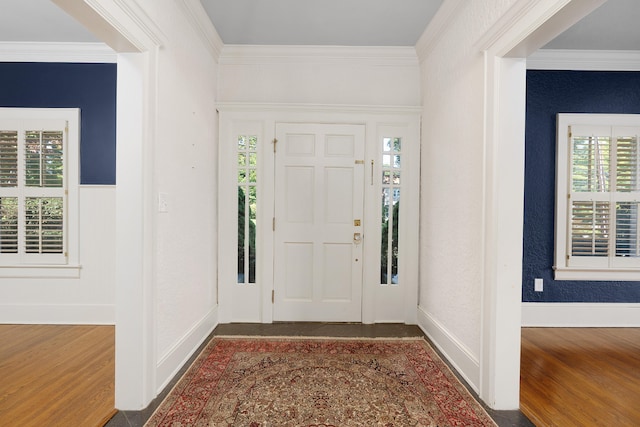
275 142
273 297
359 162
273 224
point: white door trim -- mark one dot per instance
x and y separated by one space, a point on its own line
254 303
527 26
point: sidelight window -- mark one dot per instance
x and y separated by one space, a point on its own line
247 202
391 187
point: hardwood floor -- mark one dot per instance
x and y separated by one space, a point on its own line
581 376
56 375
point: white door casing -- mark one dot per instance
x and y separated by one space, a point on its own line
254 302
319 180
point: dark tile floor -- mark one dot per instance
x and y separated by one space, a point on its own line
351 330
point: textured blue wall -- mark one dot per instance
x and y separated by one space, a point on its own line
549 93
90 87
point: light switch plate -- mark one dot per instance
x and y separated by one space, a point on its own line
163 202
538 285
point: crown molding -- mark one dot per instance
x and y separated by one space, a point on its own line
122 24
359 55
584 60
436 28
530 24
199 20
56 52
251 107
140 29
512 19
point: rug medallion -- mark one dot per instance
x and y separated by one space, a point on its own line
269 382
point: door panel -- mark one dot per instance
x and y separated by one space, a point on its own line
299 195
299 276
337 265
318 195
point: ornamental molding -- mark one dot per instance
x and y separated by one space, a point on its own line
344 55
130 20
202 25
56 52
584 60
437 27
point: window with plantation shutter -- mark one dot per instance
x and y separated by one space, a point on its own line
38 188
597 197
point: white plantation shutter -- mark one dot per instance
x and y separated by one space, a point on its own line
589 221
8 225
626 161
8 158
44 179
627 239
590 159
44 225
627 194
33 193
590 228
8 179
602 195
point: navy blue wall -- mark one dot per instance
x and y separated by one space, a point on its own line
90 87
549 93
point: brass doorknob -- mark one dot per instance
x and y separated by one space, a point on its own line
357 238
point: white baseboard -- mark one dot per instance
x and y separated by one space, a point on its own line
580 315
179 354
460 357
63 314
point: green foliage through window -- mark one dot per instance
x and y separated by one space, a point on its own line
32 197
391 185
247 207
604 211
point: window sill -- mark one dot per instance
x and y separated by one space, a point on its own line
597 274
41 271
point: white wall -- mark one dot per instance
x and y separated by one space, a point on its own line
319 75
165 262
476 51
453 172
184 172
326 84
88 299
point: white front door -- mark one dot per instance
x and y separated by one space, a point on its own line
319 185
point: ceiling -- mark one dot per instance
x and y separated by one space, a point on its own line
39 21
613 26
325 22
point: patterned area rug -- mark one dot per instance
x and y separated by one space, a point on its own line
269 382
